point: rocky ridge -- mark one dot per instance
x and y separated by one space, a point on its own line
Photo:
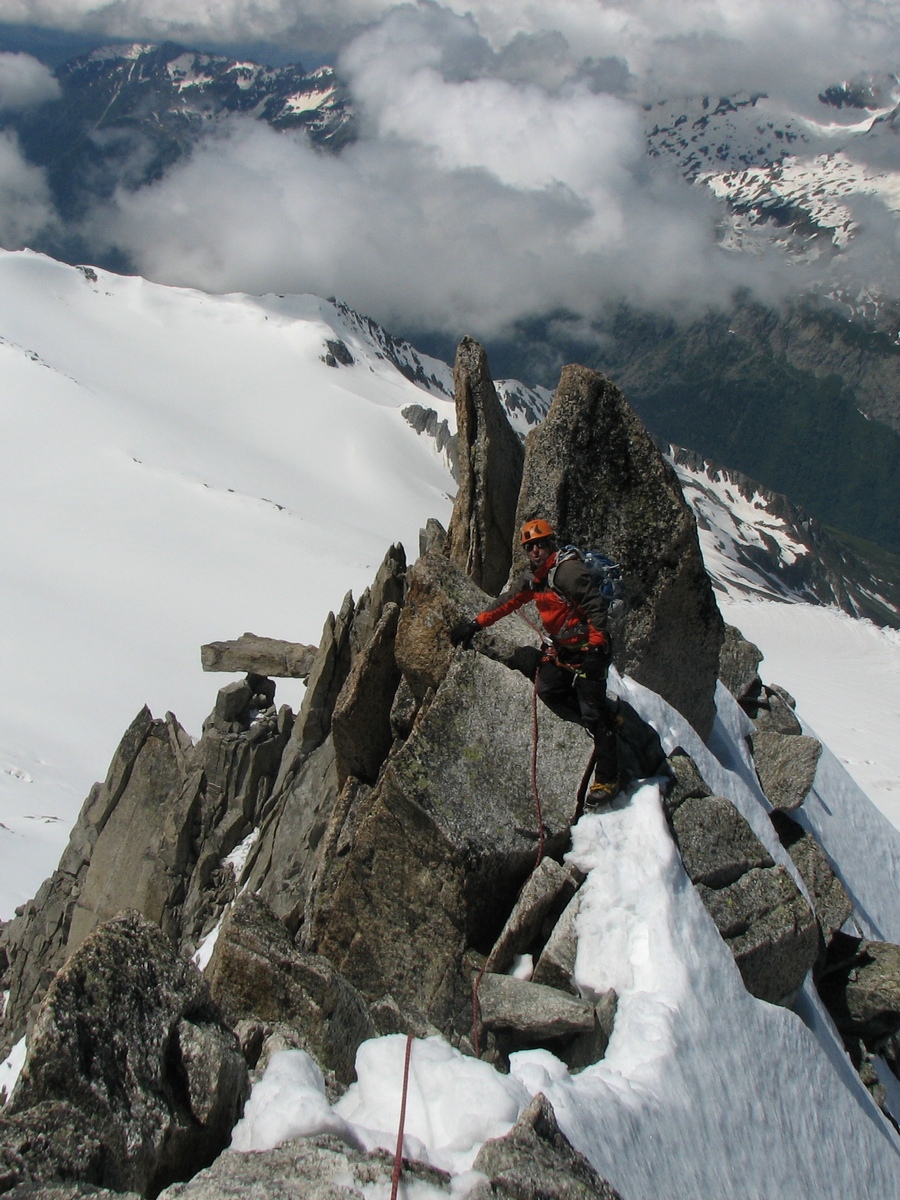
359 868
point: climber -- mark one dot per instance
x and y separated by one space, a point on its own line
571 672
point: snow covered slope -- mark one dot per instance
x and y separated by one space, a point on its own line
175 468
807 186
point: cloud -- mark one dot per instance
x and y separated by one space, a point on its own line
501 169
26 208
425 238
24 82
670 49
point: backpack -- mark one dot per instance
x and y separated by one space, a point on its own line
606 575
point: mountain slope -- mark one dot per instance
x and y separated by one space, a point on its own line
180 468
176 468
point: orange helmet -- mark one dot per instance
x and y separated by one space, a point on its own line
536 531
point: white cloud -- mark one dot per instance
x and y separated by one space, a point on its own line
416 242
501 169
694 45
25 205
24 82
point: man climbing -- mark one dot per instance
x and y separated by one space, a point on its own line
571 673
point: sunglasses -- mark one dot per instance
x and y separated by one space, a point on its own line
540 544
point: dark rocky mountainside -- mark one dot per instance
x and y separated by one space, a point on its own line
757 543
127 113
374 864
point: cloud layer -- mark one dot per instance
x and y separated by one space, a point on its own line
501 170
24 82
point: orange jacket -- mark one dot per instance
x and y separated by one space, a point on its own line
572 611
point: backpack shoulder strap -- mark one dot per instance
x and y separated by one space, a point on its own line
564 554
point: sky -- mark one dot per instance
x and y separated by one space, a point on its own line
501 167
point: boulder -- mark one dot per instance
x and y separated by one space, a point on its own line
556 965
769 928
446 840
65 1191
773 709
320 1168
54 1140
440 595
259 656
534 1013
257 973
480 537
862 989
786 766
739 664
756 906
535 1159
592 470
549 887
717 845
830 901
129 1037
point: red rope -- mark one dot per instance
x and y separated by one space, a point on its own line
398 1154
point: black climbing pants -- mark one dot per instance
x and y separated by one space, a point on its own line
581 696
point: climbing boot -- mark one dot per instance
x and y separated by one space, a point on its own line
600 793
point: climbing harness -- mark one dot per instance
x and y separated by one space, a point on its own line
398 1153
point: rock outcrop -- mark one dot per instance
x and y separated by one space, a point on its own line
256 655
755 904
258 977
382 862
592 470
129 1046
152 837
490 473
535 1159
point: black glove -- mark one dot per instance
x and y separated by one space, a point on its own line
462 634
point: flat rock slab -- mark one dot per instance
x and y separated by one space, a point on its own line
259 656
717 845
321 1168
535 1012
864 998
